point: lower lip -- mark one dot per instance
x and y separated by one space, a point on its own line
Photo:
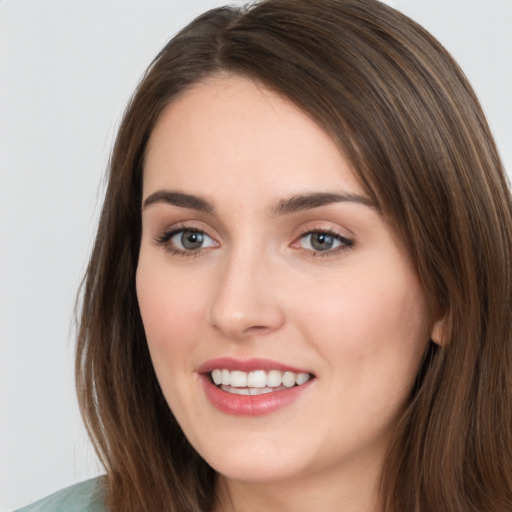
251 405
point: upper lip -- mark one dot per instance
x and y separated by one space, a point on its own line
247 365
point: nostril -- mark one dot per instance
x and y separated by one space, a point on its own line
258 328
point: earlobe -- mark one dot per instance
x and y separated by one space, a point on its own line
438 335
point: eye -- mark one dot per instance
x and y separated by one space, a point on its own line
184 241
323 242
191 240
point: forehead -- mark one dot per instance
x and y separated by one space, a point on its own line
234 132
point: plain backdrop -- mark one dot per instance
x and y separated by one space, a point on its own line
67 69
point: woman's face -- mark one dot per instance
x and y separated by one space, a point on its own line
265 267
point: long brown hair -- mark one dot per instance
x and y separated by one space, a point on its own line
403 113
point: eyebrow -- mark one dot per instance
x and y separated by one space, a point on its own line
179 199
296 203
315 200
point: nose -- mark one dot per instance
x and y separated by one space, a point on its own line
245 302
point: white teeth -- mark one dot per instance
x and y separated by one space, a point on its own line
302 378
258 381
274 378
217 377
259 391
240 391
238 379
289 379
246 391
226 377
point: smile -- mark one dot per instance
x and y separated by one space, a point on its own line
257 382
253 387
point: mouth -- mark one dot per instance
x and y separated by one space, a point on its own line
253 387
256 382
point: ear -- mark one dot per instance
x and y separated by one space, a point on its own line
438 335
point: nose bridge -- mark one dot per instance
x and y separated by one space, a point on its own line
244 302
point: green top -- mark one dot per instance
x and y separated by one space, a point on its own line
83 497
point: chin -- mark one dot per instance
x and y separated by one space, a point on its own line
256 472
258 462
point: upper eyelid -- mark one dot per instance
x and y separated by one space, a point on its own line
184 226
344 239
169 232
330 231
326 227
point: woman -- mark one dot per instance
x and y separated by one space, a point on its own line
299 293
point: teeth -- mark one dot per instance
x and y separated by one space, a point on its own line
274 378
257 381
260 391
238 379
246 391
289 379
302 378
239 391
217 377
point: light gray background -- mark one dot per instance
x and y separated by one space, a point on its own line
67 69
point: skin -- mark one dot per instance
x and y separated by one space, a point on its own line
354 315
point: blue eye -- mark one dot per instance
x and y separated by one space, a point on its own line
189 240
186 240
323 241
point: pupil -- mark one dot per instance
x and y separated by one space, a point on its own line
191 240
321 241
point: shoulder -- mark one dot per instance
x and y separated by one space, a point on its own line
86 496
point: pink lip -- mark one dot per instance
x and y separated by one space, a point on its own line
249 405
246 365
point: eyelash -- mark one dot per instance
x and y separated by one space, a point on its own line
344 243
166 236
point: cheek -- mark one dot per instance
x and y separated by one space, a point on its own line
171 314
170 309
370 323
